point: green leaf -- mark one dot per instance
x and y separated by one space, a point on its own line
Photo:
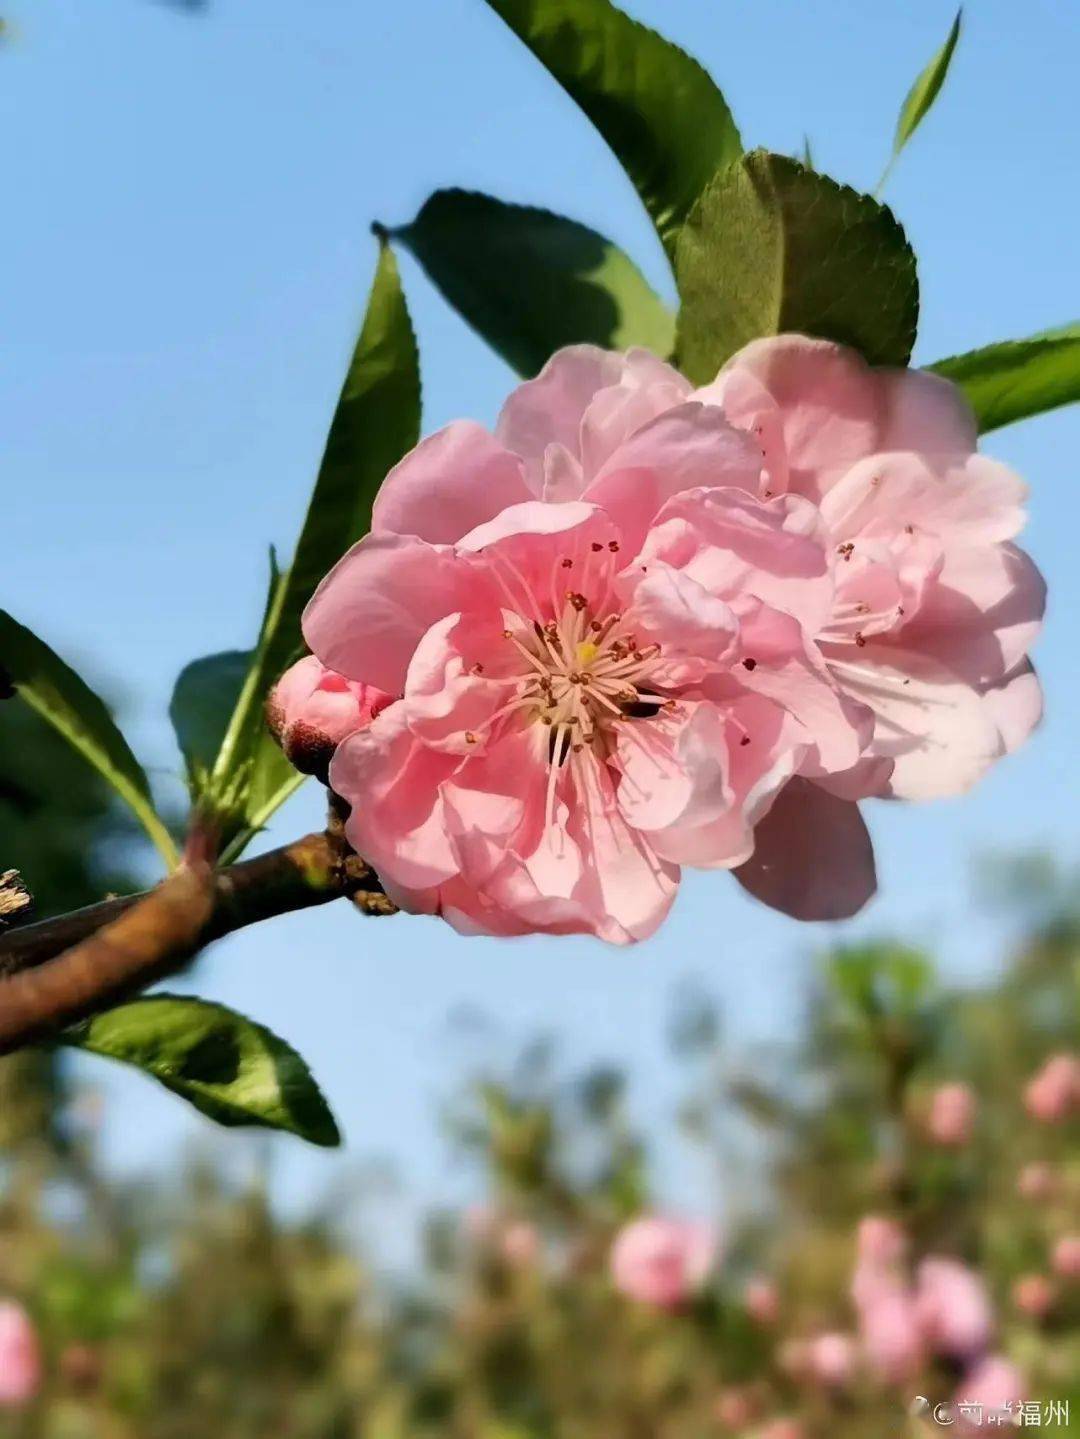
772 247
234 1070
1018 378
660 112
530 282
376 422
922 95
60 696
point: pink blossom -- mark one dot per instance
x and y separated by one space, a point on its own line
519 1244
934 607
20 1356
762 1300
990 1388
891 1333
952 1115
599 636
1037 1180
1066 1256
1054 1093
662 1261
311 709
1033 1295
832 1359
953 1308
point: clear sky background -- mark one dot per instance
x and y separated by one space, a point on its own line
183 265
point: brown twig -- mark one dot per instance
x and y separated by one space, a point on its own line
60 970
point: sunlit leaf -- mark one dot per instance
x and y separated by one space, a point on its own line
60 696
1018 378
923 94
659 111
235 1071
772 247
529 281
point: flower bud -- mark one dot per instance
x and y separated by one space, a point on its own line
832 1359
312 709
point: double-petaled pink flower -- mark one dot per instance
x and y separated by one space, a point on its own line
641 627
662 1261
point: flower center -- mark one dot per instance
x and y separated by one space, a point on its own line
585 675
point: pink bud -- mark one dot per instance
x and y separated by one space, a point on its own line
1037 1181
1066 1257
762 1300
20 1356
952 1115
662 1261
992 1386
311 710
520 1244
1054 1093
832 1359
953 1308
1033 1295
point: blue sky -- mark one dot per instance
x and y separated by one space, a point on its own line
185 260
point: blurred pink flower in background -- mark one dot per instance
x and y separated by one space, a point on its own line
1033 1295
891 1334
832 1357
311 709
1037 1180
953 1308
993 1385
519 1244
951 1118
20 1356
762 1300
782 1429
1066 1256
880 1242
735 1408
662 1261
1054 1093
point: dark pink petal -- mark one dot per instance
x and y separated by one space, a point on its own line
812 856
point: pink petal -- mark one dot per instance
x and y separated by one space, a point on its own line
367 617
781 664
812 856
975 501
1015 705
934 726
392 783
447 703
734 544
675 611
450 483
982 612
828 400
549 409
647 389
925 412
686 448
